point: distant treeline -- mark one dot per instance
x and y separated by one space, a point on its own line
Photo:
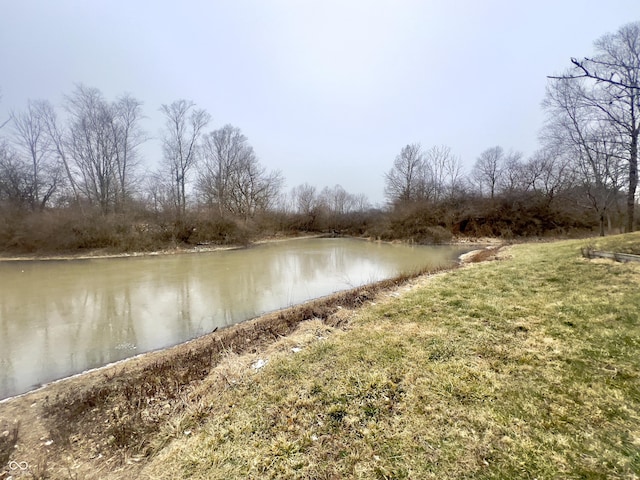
72 178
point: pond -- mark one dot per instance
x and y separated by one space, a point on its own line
59 318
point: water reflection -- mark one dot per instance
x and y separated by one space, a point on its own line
62 317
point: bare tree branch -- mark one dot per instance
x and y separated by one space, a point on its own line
593 74
615 93
184 126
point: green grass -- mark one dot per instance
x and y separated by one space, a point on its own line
523 368
629 243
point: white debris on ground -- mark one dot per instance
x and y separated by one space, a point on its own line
259 364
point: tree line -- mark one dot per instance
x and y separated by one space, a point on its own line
73 176
78 170
91 159
585 171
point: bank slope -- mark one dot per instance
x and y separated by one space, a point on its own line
520 368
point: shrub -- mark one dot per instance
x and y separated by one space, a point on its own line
220 231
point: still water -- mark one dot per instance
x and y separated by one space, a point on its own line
58 318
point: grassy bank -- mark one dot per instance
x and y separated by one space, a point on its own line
522 368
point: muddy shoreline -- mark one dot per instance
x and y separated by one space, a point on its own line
182 250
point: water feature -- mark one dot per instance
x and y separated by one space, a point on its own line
58 318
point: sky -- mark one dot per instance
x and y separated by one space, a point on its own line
327 91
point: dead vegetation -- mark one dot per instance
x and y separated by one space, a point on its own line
8 440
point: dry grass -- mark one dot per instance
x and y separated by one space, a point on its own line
524 368
629 243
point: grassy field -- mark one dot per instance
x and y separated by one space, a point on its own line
526 367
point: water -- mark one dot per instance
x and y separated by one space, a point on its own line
58 318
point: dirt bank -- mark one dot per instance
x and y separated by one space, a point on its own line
102 253
178 249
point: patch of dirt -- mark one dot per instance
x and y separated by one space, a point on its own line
494 252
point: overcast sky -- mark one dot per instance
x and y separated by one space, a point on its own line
327 91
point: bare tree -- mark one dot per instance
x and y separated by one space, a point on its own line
305 199
129 136
338 200
93 145
184 124
223 151
58 143
443 175
309 205
601 172
548 172
97 147
405 182
512 178
30 136
613 89
361 202
159 193
254 189
16 187
488 168
232 178
575 126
